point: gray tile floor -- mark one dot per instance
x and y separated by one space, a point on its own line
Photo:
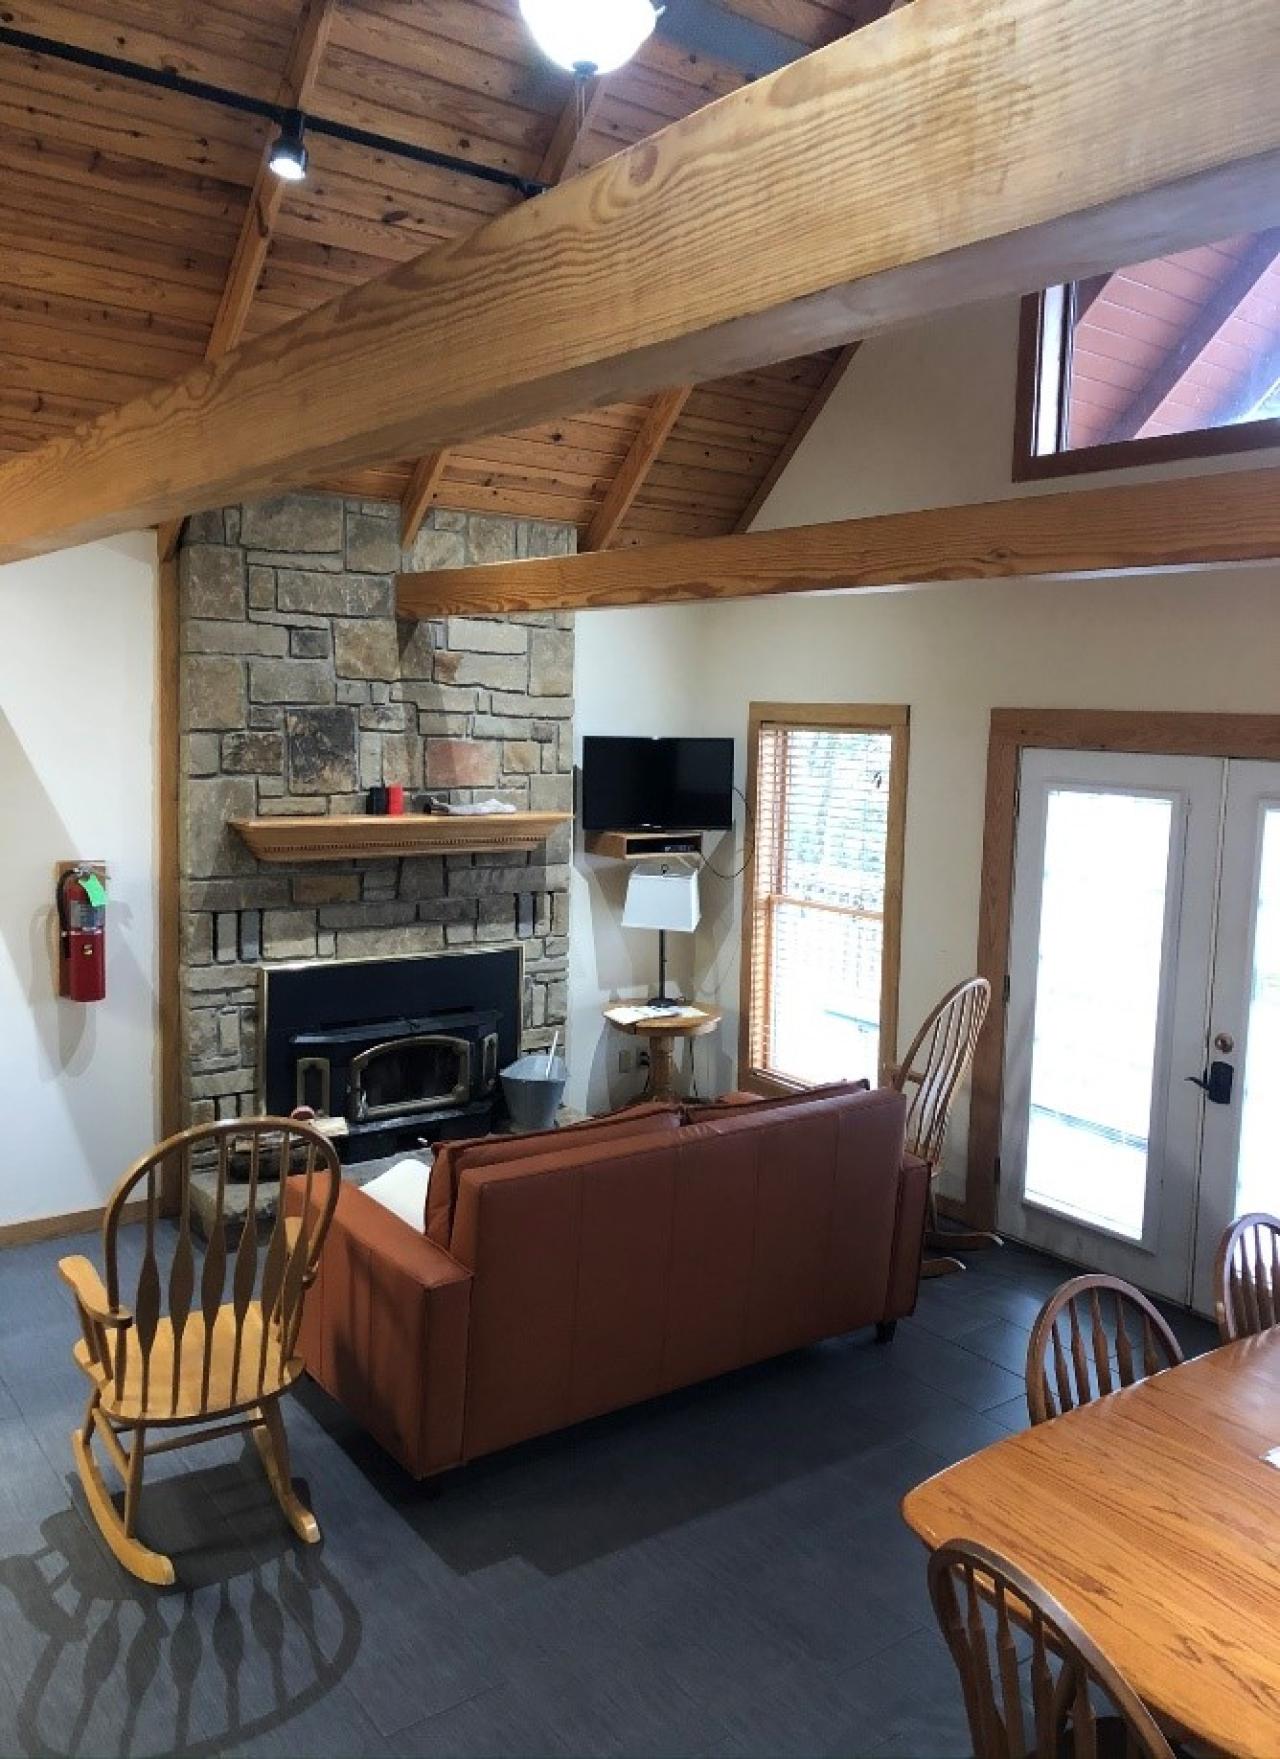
721 1573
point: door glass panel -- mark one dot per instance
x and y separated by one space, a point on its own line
1102 917
1258 1184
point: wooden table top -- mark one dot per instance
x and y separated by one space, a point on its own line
1153 1517
691 1022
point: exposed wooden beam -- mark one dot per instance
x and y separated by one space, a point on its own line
558 162
262 212
956 150
561 158
423 487
639 461
1197 522
267 197
1208 323
821 397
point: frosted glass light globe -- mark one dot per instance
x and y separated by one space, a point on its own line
594 36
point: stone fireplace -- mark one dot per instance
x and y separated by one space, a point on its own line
299 691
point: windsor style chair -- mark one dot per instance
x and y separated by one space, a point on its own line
205 1346
1247 1277
1080 1354
930 1075
980 1600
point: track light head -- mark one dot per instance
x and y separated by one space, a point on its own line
289 151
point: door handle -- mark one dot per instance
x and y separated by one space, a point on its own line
1217 1082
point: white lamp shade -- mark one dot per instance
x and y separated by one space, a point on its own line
662 897
596 35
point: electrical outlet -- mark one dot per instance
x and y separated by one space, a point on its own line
627 1060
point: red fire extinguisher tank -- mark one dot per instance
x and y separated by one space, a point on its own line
82 936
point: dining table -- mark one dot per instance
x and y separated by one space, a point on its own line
1152 1515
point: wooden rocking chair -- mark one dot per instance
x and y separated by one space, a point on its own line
200 1343
930 1074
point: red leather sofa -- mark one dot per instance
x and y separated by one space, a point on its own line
561 1276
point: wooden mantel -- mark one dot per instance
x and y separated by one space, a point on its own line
369 838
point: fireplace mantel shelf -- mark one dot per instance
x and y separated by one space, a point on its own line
361 838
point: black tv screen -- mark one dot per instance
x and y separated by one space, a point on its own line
657 784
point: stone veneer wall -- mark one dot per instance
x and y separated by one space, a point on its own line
299 690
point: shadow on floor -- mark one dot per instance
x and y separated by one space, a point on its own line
114 1666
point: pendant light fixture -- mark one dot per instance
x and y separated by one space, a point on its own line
289 152
589 37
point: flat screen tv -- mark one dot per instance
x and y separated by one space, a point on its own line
657 784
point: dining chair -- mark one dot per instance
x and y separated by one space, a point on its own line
981 1600
930 1075
204 1345
1070 1353
1247 1277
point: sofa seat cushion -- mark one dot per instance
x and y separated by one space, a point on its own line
728 1105
453 1158
403 1190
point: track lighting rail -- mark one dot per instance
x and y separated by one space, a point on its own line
163 79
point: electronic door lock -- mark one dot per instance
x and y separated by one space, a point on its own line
1218 1082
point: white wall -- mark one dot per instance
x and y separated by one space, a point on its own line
78 1086
924 418
636 672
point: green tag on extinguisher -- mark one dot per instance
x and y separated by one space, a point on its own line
94 890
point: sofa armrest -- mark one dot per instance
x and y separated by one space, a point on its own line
908 1238
384 1330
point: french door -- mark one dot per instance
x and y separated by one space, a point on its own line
1143 1013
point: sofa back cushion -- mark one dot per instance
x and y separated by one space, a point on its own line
610 1272
452 1158
728 1105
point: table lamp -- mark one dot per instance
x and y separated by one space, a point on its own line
662 895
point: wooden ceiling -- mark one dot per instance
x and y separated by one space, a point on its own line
1178 343
122 210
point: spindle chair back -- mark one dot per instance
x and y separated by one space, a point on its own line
931 1072
931 1075
1073 1355
1066 1701
1247 1277
183 1335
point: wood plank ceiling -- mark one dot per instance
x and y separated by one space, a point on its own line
1178 343
121 208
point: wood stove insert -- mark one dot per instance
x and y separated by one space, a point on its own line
399 1049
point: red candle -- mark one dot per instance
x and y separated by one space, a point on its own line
395 800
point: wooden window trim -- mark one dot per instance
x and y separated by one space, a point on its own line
891 718
1030 466
1014 730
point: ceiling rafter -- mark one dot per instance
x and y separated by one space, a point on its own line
1190 522
651 437
842 222
559 162
666 410
1207 325
821 397
297 87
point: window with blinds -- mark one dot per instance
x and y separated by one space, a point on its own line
824 894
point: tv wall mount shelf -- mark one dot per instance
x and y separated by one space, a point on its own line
643 845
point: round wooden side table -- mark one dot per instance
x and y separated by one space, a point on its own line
693 1020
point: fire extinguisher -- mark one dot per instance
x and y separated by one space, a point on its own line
82 936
